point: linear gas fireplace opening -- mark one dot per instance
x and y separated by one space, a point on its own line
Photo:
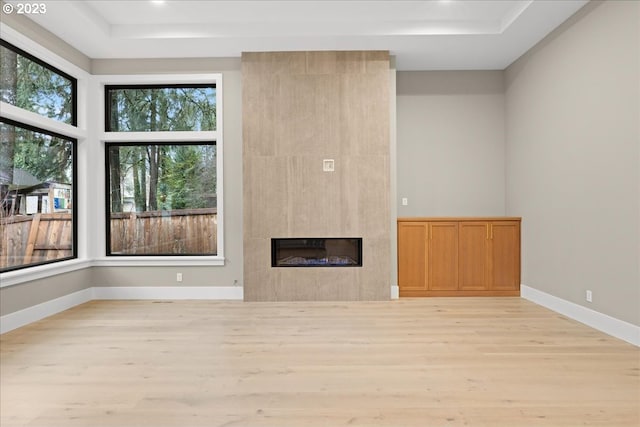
316 252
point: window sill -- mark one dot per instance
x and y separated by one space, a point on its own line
16 277
159 261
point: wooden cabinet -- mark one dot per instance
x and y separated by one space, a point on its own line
459 256
442 256
412 256
474 249
504 256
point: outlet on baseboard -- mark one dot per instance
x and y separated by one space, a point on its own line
589 296
179 277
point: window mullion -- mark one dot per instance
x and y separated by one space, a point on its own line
18 114
184 136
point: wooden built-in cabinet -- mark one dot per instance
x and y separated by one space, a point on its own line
459 256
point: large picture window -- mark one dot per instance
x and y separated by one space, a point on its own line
162 199
38 221
161 163
37 215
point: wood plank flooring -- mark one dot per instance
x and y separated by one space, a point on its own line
412 362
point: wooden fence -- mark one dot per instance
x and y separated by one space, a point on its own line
44 237
35 239
184 232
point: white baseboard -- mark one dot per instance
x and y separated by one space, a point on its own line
168 292
395 292
37 312
602 322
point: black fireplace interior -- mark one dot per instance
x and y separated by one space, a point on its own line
316 252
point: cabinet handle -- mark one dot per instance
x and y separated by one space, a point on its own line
487 231
491 231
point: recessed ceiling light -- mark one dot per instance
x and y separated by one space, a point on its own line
157 2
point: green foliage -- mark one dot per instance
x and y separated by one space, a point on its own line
188 181
163 176
26 84
29 85
162 109
45 157
186 175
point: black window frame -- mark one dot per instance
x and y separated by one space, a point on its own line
107 192
74 192
112 87
73 80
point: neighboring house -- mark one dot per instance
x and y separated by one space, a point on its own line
27 195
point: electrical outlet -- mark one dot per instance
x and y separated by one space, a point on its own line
589 296
405 201
179 277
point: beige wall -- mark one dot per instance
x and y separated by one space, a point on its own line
298 109
570 110
572 159
25 295
450 143
231 274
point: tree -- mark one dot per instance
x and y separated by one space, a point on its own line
46 157
139 179
27 84
160 175
29 156
8 86
153 153
184 176
114 170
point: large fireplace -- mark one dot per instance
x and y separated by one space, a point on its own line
316 252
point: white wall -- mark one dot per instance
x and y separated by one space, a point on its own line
451 146
573 137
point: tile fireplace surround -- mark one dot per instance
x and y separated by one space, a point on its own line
299 109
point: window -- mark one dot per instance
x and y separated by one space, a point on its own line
153 108
38 220
31 84
162 170
162 199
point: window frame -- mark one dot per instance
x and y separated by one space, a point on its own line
73 80
78 132
74 194
107 137
107 191
107 115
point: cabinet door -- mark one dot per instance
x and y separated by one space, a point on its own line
505 255
412 256
443 256
474 255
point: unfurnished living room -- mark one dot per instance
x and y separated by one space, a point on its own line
320 213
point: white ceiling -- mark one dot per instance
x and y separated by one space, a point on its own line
423 35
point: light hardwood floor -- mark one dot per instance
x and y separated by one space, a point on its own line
413 362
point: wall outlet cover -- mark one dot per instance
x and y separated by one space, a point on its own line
328 165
